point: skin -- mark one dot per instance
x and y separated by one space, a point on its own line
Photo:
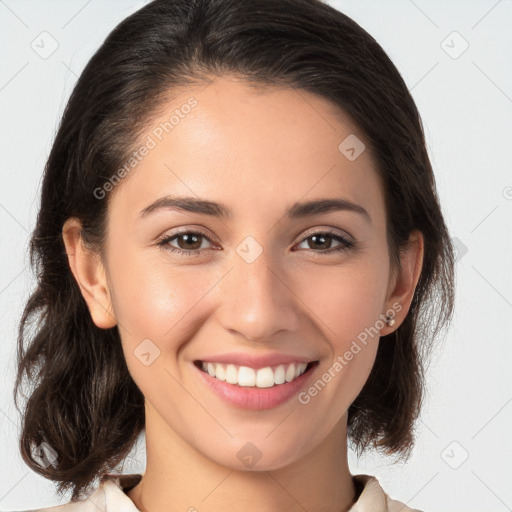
258 152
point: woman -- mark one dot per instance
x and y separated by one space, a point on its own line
240 252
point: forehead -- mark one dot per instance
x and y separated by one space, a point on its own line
256 149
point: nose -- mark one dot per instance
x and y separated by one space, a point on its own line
257 300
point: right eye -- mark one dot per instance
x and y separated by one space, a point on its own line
190 238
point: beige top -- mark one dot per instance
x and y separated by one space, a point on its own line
111 496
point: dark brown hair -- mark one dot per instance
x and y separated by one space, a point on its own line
83 402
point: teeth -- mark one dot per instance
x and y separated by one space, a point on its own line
246 376
265 378
279 375
231 374
249 377
290 373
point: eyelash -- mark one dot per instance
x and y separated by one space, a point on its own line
347 245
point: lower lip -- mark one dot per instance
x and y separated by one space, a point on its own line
256 398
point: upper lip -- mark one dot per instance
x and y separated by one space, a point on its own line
256 361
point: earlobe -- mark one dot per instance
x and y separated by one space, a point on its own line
405 282
89 273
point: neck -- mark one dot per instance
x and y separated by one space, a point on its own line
178 478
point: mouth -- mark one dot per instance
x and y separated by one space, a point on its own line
245 376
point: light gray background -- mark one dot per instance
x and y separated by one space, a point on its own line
466 104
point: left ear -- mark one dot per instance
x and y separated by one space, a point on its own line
403 283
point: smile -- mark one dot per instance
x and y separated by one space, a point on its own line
245 376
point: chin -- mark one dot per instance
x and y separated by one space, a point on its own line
255 455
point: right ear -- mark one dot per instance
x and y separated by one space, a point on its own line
89 273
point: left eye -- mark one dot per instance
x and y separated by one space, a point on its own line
319 240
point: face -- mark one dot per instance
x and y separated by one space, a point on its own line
252 278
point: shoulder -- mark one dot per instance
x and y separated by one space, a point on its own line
372 497
109 496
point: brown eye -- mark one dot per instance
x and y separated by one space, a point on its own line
323 242
188 242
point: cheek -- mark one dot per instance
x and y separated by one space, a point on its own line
349 311
347 300
155 301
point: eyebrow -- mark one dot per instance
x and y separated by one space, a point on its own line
297 211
